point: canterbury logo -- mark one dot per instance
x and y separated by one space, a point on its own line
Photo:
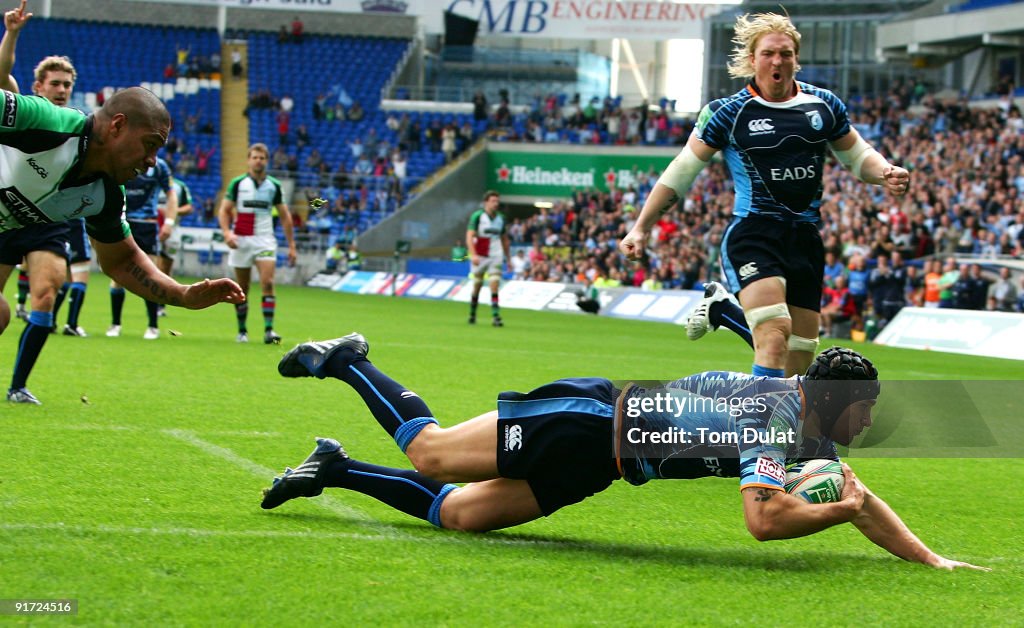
748 270
513 438
761 125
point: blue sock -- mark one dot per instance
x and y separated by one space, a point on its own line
59 299
33 337
409 491
729 315
116 305
398 410
764 371
76 299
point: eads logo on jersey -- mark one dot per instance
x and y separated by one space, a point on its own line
513 437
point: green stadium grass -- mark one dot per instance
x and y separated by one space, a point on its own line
135 488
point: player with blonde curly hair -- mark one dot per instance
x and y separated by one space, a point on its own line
774 134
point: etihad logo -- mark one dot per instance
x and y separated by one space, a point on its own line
761 126
513 437
10 111
524 175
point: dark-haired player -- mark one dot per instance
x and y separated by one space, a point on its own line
570 439
487 240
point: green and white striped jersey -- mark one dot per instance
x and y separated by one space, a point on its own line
42 147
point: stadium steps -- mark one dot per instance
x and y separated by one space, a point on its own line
234 96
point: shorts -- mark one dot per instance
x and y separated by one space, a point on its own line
17 243
489 267
559 438
147 236
81 248
170 247
755 247
252 249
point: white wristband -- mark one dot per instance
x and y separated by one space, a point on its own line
169 221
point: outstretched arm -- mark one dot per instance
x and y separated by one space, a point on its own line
673 184
125 263
14 20
877 521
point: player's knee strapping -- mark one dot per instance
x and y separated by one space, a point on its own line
756 316
800 343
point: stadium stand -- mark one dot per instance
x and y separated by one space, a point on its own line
134 55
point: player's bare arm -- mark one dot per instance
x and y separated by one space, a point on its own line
126 264
673 184
288 225
884 528
170 213
868 165
471 246
226 217
773 514
14 21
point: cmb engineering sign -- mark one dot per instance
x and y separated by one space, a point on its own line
530 171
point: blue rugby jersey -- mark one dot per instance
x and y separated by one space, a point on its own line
142 194
717 423
775 150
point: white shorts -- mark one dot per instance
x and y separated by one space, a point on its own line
172 244
252 249
489 267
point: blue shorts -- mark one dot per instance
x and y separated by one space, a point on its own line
755 247
146 235
559 438
17 243
81 248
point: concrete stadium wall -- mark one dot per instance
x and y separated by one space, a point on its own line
442 211
237 18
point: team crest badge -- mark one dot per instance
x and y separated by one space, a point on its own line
815 119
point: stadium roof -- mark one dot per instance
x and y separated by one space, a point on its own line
942 37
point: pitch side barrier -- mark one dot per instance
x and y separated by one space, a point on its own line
993 334
666 306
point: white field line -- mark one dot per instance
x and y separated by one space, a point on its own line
92 427
324 501
441 537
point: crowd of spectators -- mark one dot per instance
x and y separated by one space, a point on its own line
558 119
967 169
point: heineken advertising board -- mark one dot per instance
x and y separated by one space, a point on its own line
554 174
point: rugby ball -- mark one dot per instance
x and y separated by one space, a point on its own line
816 481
